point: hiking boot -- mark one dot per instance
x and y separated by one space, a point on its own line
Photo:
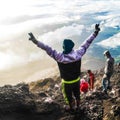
69 110
109 88
77 109
105 91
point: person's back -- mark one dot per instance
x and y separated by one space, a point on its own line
109 66
84 86
70 71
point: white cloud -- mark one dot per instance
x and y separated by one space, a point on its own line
111 42
62 33
57 19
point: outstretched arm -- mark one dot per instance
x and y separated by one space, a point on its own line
82 49
52 53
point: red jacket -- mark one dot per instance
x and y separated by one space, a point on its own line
84 86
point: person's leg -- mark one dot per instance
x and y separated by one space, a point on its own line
76 92
92 84
104 80
67 94
108 78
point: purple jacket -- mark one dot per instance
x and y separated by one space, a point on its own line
73 56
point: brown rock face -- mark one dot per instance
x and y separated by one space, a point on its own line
43 100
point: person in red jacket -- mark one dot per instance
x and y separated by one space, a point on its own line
91 79
84 86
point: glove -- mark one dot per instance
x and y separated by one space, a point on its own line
97 29
32 38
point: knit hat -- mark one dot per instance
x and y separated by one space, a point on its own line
67 46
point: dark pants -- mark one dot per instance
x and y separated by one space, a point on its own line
71 91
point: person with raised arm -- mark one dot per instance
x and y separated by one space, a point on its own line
69 64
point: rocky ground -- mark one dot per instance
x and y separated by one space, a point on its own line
43 100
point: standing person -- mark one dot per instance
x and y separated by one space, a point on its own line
91 79
108 71
69 63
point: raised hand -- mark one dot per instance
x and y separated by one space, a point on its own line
97 28
32 38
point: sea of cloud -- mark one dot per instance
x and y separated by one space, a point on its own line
51 21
